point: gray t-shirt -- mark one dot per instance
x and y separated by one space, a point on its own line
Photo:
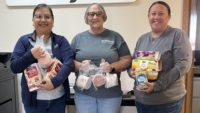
108 45
176 58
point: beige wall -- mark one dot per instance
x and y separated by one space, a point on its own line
130 20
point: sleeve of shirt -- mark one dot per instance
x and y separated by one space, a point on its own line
21 57
67 63
73 43
122 46
182 55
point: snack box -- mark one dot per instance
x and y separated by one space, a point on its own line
33 77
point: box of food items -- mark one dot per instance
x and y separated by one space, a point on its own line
145 66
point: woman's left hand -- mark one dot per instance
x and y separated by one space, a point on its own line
106 67
47 84
149 87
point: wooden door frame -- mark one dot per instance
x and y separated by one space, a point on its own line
186 15
189 11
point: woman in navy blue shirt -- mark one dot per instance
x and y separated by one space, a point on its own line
52 95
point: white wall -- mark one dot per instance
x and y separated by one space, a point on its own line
130 20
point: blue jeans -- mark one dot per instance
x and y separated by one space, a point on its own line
47 106
174 107
88 104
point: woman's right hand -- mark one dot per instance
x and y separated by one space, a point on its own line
38 52
85 63
131 73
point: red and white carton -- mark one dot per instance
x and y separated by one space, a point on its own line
53 69
33 77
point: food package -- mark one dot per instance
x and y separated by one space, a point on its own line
45 61
33 77
34 73
148 55
147 62
141 78
53 68
83 82
98 80
111 80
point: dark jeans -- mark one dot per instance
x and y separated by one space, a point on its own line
174 107
47 106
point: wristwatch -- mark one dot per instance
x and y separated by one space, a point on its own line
112 69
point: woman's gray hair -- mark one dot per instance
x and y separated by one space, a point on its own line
101 8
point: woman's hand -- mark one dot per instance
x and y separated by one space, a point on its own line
131 73
85 63
148 87
106 67
47 84
38 52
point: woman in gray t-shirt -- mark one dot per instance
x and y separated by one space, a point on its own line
92 46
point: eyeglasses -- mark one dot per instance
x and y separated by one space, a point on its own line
46 17
92 14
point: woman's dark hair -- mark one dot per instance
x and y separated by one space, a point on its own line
39 6
101 8
162 3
